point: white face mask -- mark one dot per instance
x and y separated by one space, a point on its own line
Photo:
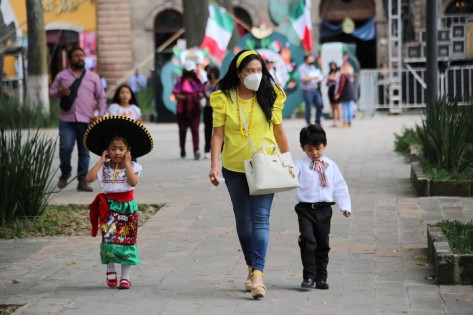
253 81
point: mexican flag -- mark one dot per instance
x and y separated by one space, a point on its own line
300 20
218 31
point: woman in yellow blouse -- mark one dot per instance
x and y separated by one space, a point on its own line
249 86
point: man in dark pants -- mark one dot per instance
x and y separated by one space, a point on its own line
73 122
310 76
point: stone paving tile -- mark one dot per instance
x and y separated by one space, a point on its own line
192 263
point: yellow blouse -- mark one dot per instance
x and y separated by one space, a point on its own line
236 148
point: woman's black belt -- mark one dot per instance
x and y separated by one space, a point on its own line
317 205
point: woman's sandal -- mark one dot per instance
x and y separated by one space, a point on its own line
258 289
248 279
125 284
112 282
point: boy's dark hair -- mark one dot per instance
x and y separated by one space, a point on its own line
313 135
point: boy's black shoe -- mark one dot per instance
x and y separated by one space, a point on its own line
307 283
322 285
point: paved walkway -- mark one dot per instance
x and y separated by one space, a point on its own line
192 263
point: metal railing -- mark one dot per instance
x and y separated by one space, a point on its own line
456 83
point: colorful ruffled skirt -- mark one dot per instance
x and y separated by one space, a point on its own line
119 233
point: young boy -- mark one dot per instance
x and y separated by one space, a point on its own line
320 180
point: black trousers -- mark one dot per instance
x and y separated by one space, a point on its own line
314 226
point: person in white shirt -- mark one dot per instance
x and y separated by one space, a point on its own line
137 81
310 76
320 180
271 65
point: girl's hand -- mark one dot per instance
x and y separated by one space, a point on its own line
346 213
104 156
128 156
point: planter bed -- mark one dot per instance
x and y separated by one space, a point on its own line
450 268
433 187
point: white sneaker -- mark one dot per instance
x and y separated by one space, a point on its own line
207 155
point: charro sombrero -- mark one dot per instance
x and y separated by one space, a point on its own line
95 138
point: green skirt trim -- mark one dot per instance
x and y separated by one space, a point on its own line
120 254
126 207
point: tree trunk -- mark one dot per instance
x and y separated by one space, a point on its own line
195 15
37 79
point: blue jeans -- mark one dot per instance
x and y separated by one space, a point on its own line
69 133
252 218
347 112
314 98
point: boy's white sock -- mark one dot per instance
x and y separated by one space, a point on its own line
111 268
126 272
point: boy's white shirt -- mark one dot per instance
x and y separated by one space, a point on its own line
310 190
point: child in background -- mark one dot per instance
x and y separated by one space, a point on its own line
320 180
124 103
115 211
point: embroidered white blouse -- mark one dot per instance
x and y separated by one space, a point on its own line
131 111
115 180
311 190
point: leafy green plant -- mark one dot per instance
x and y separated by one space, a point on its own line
145 98
14 114
445 135
403 141
25 168
435 173
459 235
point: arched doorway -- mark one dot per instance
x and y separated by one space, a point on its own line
166 24
460 7
242 15
359 29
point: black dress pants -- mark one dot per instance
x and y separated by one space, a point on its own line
314 228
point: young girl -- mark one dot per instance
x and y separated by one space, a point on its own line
124 103
115 210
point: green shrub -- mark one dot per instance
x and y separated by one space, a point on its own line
25 181
445 135
14 114
145 100
441 174
403 141
459 235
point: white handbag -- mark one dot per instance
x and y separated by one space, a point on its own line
269 171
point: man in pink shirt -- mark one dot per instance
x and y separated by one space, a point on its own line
74 122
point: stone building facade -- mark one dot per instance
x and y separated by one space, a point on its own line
130 31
